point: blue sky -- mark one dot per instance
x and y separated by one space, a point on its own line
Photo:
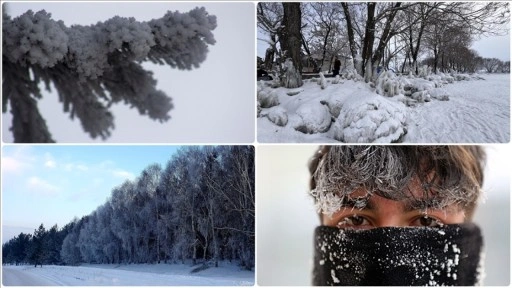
53 184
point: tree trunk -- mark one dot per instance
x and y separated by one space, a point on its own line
369 36
350 31
290 44
386 35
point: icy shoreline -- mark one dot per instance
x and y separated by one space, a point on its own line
444 109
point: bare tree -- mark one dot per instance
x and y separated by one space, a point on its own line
270 16
325 33
371 26
491 64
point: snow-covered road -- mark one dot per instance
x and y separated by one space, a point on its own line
478 112
127 275
17 277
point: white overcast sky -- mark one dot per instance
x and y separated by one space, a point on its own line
487 47
213 104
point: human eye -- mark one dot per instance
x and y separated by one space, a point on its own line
427 221
355 222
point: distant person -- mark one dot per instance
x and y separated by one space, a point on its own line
397 215
337 66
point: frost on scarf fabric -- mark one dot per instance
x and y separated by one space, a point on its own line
398 256
92 67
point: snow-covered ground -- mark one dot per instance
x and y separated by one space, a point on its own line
433 109
125 275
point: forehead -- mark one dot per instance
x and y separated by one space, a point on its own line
419 198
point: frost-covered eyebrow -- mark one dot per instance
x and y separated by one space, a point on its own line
409 204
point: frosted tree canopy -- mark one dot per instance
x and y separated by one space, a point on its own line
92 67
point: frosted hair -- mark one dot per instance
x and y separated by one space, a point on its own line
447 175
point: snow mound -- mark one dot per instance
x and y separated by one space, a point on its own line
351 74
439 94
419 84
462 77
293 92
337 80
441 79
321 81
421 96
334 105
278 116
267 98
375 120
313 118
388 84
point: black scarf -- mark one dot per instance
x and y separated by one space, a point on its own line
398 256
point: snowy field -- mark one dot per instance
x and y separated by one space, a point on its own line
125 275
439 109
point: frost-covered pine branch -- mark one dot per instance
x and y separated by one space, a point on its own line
92 67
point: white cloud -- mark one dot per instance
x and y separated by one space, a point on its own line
72 166
49 161
82 167
50 164
17 159
39 186
106 164
122 174
11 164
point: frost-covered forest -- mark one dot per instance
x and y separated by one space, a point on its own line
92 67
198 209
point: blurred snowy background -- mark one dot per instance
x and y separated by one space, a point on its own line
286 217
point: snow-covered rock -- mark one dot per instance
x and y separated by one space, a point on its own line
337 80
419 84
313 118
375 120
334 104
424 71
293 92
388 84
321 81
268 98
351 74
461 77
439 94
421 96
278 116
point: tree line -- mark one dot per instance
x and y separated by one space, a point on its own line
373 35
198 209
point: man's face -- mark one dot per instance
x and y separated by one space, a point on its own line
383 212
